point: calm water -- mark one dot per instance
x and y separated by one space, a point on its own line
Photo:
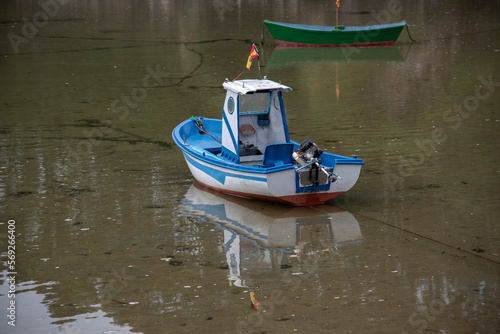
111 235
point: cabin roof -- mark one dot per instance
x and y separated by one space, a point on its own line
243 87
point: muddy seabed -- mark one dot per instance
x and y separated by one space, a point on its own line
111 234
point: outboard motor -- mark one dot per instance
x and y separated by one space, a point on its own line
307 153
312 173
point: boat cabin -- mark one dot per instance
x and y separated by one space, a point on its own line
254 122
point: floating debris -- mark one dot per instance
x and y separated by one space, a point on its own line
478 250
175 263
374 171
76 191
155 206
19 194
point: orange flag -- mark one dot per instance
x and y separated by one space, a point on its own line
338 3
252 56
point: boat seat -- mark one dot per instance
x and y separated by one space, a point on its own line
205 142
278 154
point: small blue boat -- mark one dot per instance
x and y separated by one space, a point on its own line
249 153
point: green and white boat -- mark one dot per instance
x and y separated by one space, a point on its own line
300 35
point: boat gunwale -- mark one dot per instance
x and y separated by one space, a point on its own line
208 157
320 28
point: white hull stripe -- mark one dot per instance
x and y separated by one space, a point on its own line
219 175
231 133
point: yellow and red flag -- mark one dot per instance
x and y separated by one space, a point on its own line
252 56
338 3
255 302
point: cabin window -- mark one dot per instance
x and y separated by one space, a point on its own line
254 104
276 102
230 105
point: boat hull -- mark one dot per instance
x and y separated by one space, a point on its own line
275 184
298 35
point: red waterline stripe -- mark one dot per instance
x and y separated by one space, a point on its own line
356 45
299 200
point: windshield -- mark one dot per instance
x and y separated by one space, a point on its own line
251 104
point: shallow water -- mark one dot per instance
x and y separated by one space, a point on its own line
111 235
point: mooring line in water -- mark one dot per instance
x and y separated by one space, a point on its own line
97 123
146 43
460 35
438 242
427 238
408 30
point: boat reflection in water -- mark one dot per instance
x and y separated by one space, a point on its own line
260 237
282 56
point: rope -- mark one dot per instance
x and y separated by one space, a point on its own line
238 76
408 30
199 124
